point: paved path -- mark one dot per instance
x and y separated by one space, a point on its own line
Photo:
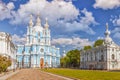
4 77
35 74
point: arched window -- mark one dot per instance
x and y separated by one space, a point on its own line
45 33
95 56
102 58
38 33
39 40
113 49
113 56
91 56
102 51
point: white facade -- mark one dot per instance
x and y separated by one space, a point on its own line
7 48
106 56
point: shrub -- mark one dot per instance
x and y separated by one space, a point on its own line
4 63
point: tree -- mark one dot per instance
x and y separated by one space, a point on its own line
72 59
64 61
4 63
98 43
87 47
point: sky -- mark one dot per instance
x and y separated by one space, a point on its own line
73 23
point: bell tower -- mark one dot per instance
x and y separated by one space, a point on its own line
29 31
108 39
47 33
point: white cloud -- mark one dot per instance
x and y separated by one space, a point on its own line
61 15
83 24
100 37
18 40
117 29
53 10
6 10
107 4
75 42
116 20
117 35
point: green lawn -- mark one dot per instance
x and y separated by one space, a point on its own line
86 74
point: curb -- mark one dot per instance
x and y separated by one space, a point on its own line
6 76
58 76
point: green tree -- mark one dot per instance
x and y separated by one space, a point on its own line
98 43
64 61
87 47
4 63
72 59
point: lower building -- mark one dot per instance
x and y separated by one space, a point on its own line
106 56
7 48
34 56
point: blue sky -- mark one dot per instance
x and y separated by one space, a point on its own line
73 23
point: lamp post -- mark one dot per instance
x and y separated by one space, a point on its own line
14 65
36 58
29 58
23 59
63 50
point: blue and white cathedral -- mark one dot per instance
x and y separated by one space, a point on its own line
38 52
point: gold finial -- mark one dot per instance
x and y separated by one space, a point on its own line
46 23
31 22
46 19
38 23
31 16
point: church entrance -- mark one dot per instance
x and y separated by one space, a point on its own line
41 63
91 67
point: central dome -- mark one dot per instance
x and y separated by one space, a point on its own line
108 40
38 28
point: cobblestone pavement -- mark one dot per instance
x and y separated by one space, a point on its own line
34 74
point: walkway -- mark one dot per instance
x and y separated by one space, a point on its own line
35 74
4 77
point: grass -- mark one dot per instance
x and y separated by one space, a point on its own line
86 74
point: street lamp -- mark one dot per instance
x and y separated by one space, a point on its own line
23 59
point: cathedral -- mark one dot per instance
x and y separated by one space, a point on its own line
104 57
38 51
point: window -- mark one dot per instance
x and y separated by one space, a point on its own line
32 39
112 65
45 33
87 56
102 51
39 40
95 57
91 57
82 59
113 49
102 58
38 33
113 56
45 41
23 52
